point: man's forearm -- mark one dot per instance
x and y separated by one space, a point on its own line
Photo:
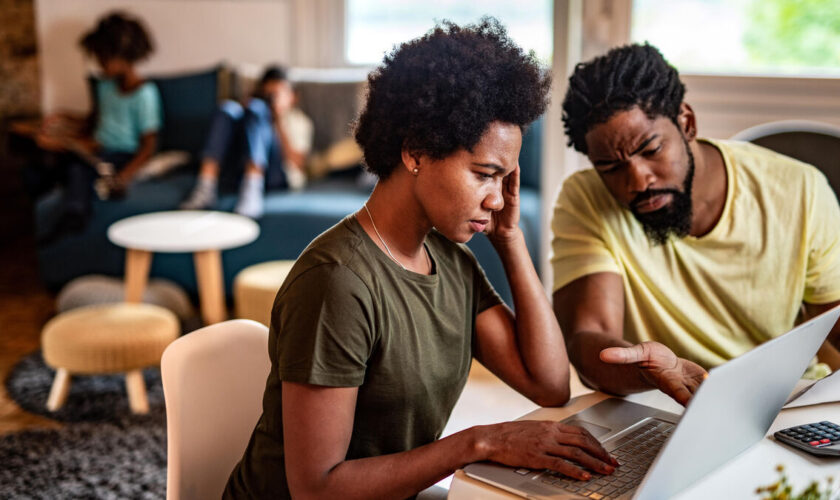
584 350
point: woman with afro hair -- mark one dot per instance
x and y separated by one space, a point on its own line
373 331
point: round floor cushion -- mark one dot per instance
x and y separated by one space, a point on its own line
255 287
108 338
99 289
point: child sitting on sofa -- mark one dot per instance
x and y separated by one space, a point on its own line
121 133
268 137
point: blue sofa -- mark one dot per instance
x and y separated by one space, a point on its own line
291 220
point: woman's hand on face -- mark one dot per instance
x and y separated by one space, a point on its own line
567 449
504 224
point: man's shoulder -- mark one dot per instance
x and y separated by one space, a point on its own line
772 177
584 183
585 193
764 162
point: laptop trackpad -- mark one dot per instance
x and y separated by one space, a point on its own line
596 430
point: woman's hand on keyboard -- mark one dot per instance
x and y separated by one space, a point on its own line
567 449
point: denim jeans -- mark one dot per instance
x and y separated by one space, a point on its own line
240 135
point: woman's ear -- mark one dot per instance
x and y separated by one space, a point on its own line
411 161
687 122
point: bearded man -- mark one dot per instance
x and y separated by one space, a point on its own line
674 254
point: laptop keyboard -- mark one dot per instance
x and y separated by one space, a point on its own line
635 452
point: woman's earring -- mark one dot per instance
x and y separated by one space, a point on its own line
415 171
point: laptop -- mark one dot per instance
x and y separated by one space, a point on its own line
662 453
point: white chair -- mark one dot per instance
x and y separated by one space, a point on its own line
213 382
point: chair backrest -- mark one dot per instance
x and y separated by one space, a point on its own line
812 142
213 382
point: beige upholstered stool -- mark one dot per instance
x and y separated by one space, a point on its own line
108 338
255 287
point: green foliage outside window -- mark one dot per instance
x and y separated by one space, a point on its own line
799 33
766 37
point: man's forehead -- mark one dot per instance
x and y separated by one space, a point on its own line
624 129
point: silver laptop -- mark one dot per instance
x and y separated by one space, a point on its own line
659 457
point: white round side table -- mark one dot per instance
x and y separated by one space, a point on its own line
203 233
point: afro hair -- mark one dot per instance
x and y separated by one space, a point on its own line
118 35
437 94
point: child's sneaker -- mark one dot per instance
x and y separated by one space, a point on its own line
203 196
250 203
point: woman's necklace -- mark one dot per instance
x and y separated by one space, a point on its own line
428 260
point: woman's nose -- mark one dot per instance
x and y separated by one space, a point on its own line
494 201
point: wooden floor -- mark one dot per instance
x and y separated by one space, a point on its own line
25 306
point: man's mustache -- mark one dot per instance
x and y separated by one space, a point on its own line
650 193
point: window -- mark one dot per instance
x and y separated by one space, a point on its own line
758 37
374 27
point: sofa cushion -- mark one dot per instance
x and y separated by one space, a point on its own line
188 101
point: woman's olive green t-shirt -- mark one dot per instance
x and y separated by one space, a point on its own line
349 316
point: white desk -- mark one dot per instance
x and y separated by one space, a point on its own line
738 478
203 233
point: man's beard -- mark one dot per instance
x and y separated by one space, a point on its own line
674 218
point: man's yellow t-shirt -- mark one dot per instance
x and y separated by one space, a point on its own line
711 298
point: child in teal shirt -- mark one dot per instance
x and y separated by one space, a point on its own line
125 120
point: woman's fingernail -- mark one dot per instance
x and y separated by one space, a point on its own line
586 476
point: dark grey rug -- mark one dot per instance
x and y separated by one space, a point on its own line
103 451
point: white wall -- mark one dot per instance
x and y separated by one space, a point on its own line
188 35
726 105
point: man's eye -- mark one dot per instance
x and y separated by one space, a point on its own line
651 152
484 176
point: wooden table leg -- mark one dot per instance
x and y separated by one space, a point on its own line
211 285
59 390
135 386
137 263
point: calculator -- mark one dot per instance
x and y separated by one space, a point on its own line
819 438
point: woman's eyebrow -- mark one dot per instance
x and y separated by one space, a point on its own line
493 166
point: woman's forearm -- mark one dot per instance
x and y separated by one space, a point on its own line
527 443
398 475
538 335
